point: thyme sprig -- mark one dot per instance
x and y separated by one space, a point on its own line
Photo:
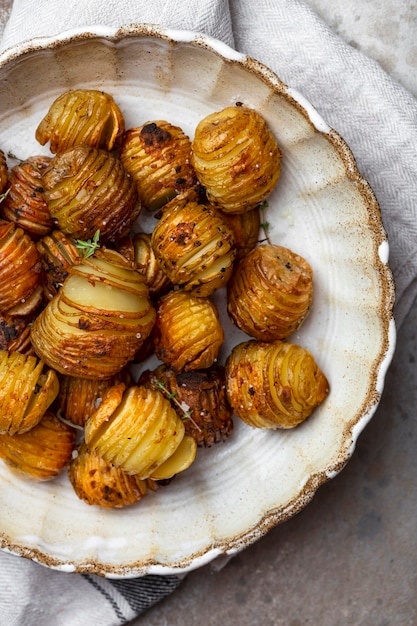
186 414
89 246
264 222
4 195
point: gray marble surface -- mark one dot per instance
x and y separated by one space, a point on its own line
350 557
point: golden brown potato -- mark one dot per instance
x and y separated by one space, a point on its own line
236 157
102 484
270 292
3 172
25 203
187 334
274 385
88 190
194 246
79 398
20 271
26 391
138 430
98 320
157 155
41 453
58 253
246 227
81 116
148 265
15 333
200 399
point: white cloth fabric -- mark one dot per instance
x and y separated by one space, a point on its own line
376 116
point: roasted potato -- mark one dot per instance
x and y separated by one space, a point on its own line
27 390
274 385
97 321
99 483
194 246
200 399
187 334
236 157
270 292
81 116
25 204
58 253
138 430
41 453
158 156
88 190
20 271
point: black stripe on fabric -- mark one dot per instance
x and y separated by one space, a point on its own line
142 593
95 583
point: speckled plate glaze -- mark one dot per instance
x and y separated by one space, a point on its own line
322 208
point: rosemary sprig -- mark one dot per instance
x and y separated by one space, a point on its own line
186 414
89 246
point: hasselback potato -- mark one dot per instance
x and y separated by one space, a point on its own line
25 203
200 399
20 270
246 230
81 116
98 320
187 334
158 156
27 389
138 430
236 157
41 453
58 253
88 190
79 398
15 333
102 484
148 265
194 246
270 292
274 385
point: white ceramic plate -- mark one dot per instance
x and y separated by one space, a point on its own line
322 208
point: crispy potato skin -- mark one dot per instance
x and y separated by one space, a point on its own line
201 396
82 116
236 157
99 483
158 157
89 190
27 390
41 453
274 385
194 246
25 203
20 268
58 254
270 292
187 334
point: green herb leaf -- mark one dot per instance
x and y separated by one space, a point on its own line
89 246
4 195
